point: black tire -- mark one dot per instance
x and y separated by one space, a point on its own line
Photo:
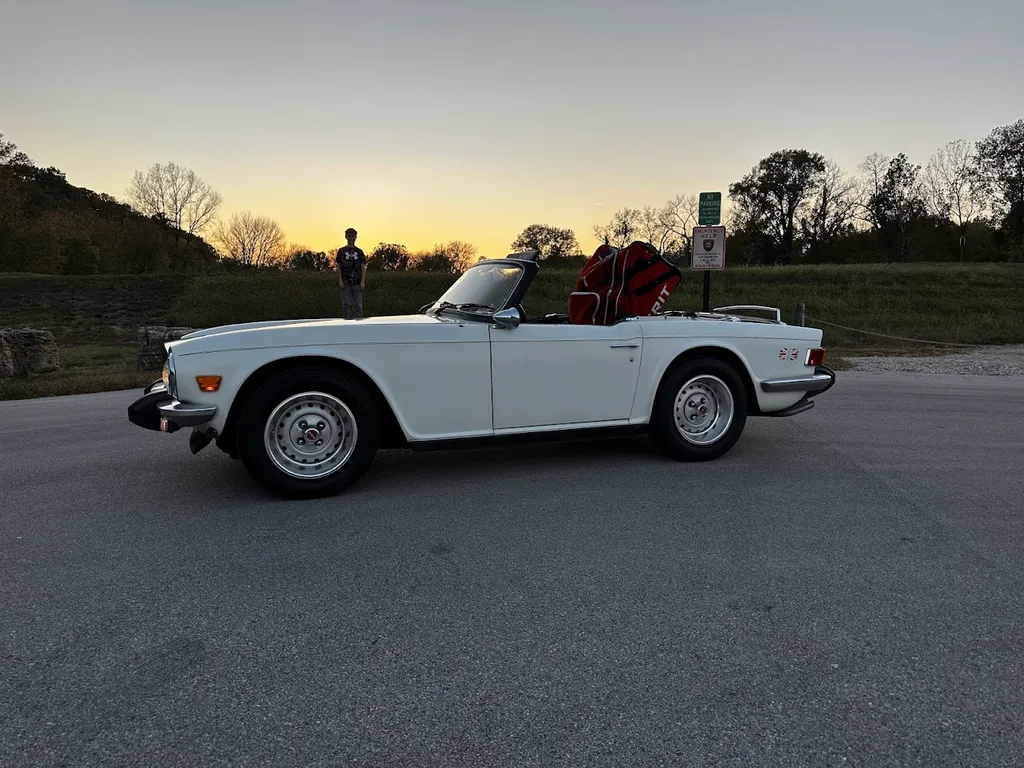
663 430
273 392
227 446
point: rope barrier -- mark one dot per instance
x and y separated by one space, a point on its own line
889 336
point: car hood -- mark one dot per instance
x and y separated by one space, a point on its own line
312 331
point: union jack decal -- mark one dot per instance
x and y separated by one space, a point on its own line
793 353
782 354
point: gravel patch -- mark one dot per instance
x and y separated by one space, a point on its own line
991 361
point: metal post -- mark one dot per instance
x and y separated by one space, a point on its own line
798 316
707 290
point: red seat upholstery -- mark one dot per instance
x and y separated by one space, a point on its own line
631 282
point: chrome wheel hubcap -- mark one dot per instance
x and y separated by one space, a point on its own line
310 435
703 410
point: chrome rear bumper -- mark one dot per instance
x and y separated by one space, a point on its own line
822 379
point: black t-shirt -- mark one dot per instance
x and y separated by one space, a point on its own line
351 260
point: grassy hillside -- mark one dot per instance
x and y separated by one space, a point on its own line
981 304
51 226
95 317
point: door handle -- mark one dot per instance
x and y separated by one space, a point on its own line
626 345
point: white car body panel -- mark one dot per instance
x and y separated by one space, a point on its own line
469 366
434 372
439 375
551 375
757 346
449 374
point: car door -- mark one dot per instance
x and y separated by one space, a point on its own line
553 375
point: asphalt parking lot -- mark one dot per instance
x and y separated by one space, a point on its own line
844 588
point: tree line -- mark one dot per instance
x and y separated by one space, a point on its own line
794 206
49 226
797 206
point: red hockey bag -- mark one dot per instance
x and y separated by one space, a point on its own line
650 280
588 303
614 283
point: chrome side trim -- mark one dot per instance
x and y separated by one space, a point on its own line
187 415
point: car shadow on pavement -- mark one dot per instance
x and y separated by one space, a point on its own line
500 459
406 470
398 468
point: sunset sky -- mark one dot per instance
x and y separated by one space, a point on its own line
420 122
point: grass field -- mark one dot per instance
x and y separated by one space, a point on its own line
95 318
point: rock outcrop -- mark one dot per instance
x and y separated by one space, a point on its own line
151 353
24 352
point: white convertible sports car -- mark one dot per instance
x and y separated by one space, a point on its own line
305 404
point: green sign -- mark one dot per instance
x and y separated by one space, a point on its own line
709 211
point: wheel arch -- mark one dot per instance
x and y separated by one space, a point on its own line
725 355
392 435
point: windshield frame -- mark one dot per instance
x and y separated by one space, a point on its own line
477 313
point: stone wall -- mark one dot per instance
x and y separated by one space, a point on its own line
151 353
25 352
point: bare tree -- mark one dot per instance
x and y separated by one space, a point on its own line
679 217
451 257
832 210
255 241
461 253
895 204
667 228
950 184
869 186
622 229
651 225
175 194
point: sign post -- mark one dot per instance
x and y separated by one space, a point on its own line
708 241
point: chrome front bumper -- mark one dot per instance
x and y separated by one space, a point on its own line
157 410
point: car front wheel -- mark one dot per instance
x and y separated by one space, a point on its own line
700 410
308 433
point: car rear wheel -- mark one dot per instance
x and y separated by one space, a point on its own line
308 433
700 410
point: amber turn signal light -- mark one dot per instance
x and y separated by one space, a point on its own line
208 383
815 357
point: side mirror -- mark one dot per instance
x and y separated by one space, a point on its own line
506 318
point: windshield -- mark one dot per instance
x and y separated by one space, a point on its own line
482 288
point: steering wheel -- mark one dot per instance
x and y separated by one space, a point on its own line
522 313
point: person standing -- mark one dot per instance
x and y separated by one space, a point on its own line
351 263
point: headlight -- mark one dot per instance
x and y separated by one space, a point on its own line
169 377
